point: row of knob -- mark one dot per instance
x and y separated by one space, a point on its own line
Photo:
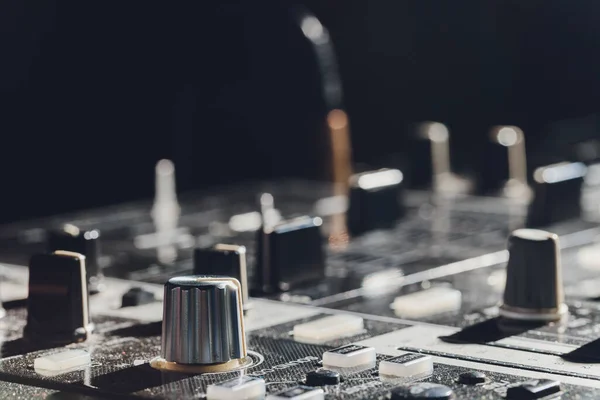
282 264
60 281
376 197
203 315
375 202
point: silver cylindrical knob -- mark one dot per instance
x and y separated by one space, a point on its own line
203 321
534 289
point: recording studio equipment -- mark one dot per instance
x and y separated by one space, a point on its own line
426 300
359 287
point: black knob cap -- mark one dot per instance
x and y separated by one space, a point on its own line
534 290
226 260
289 254
70 238
375 200
137 296
57 305
557 193
322 377
422 391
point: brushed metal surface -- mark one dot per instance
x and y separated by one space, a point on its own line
203 320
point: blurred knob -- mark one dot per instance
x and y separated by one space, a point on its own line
289 254
534 290
557 193
203 322
375 200
223 259
57 305
87 243
506 152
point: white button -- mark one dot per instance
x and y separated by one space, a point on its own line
328 328
428 302
242 388
299 393
407 365
348 356
63 361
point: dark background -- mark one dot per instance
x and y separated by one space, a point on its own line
94 93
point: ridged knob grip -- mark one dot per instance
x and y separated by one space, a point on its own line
203 320
534 289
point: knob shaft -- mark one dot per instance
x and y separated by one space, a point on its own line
534 288
203 321
70 238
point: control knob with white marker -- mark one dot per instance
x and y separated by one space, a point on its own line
57 303
534 289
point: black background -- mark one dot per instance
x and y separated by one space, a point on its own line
94 93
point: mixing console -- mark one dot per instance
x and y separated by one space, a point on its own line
260 291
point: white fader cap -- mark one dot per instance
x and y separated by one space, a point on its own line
407 365
242 388
349 356
328 328
61 362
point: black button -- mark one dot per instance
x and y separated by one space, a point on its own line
322 377
424 390
534 389
471 378
137 296
299 392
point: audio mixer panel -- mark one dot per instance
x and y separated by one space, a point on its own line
253 292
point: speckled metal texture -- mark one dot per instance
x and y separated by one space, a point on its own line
120 368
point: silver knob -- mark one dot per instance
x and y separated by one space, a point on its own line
203 322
